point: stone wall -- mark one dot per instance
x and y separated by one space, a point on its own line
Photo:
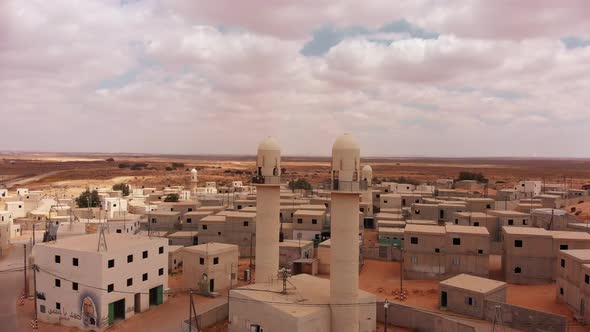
525 319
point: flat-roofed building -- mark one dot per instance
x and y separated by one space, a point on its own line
467 250
573 282
210 267
190 220
389 216
480 219
183 238
243 203
465 294
424 211
391 224
511 218
479 204
99 286
308 223
183 207
212 229
268 310
292 250
390 201
164 221
549 201
421 222
423 258
530 253
175 259
391 236
446 211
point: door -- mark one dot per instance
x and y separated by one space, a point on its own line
443 299
111 313
160 295
137 303
211 285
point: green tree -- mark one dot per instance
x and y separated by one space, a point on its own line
88 199
122 187
299 184
479 177
171 198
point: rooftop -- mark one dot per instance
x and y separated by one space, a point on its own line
239 214
474 214
531 231
474 284
213 218
394 216
421 222
115 242
582 255
309 213
390 230
425 229
198 213
295 243
183 234
164 213
212 248
467 230
564 235
172 249
506 213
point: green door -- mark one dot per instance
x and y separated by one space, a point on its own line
111 313
160 294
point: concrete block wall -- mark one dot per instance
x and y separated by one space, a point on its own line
526 319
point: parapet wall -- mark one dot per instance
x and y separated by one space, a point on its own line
525 319
419 320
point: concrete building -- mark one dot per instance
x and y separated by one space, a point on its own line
90 289
308 224
183 238
529 188
573 282
210 267
164 221
175 258
268 197
465 294
530 253
442 251
190 220
253 311
292 250
16 209
479 204
511 218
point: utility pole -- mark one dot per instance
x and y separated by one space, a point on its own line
192 312
33 234
386 307
25 271
35 288
251 245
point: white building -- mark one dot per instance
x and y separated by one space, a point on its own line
115 207
82 287
3 192
16 208
22 191
529 188
211 266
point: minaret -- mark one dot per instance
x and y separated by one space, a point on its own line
267 182
367 195
194 181
344 263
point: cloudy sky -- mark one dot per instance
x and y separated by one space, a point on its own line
415 78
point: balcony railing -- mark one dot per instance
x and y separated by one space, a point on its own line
346 186
261 179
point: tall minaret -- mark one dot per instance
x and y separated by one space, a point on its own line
344 263
194 181
268 195
367 196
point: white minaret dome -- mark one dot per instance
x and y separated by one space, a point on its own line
367 169
345 142
269 144
194 170
367 173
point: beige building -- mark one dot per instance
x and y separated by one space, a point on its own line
511 218
465 294
292 250
270 310
164 221
530 253
479 204
308 223
81 287
442 251
424 211
190 220
573 282
210 267
175 254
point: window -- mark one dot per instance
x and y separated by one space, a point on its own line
314 221
57 283
171 209
161 250
218 233
517 270
587 279
189 220
518 243
111 263
42 308
57 305
129 258
145 254
215 260
470 301
161 271
476 223
129 282
479 251
456 241
414 240
118 231
414 259
299 221
524 221
456 221
58 259
563 247
110 288
510 222
375 196
144 277
456 261
362 209
75 261
74 285
245 224
204 227
488 206
114 205
560 290
202 261
190 209
562 262
153 220
436 250
385 201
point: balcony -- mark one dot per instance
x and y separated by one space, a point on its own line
261 179
346 186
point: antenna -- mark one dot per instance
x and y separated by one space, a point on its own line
284 274
102 241
498 322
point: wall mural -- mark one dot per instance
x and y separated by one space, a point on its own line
89 310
